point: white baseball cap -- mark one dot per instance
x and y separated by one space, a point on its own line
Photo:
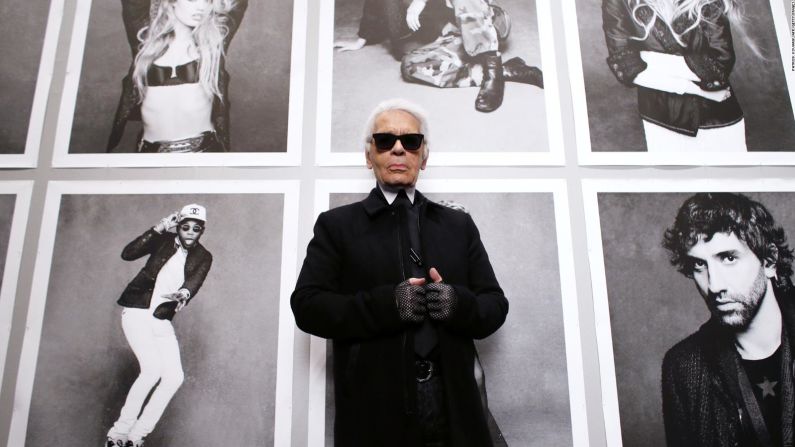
193 211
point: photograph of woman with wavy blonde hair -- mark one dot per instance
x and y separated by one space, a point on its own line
177 83
681 82
680 54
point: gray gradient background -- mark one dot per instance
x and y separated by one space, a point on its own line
227 336
7 202
615 124
363 78
22 27
258 62
525 360
652 306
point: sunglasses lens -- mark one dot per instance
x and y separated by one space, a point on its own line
409 141
384 141
196 229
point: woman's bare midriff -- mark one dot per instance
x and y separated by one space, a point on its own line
176 112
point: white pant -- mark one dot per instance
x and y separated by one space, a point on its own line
155 346
721 139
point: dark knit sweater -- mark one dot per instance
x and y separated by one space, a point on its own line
702 400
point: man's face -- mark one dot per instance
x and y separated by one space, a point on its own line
190 231
396 167
730 277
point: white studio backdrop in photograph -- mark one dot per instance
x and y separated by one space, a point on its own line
85 224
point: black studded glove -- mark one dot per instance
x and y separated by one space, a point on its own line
441 300
410 302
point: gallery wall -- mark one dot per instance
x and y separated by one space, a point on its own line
297 111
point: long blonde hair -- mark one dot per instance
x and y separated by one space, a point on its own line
208 36
671 10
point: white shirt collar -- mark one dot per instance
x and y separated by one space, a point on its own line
391 193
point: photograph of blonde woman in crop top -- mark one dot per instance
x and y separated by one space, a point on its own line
177 83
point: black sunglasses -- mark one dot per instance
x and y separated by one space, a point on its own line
196 228
409 141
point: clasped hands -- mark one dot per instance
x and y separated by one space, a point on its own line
417 299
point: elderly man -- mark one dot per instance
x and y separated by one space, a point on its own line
402 286
731 382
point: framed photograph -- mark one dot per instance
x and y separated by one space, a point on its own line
198 300
14 207
161 83
369 53
717 90
650 306
29 35
532 259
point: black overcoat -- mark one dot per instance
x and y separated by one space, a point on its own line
345 292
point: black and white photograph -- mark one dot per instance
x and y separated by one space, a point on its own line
482 68
701 82
692 285
532 260
28 40
183 83
141 328
14 207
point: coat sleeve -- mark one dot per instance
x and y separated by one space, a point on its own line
623 55
135 14
482 306
235 19
143 245
320 306
195 279
711 52
674 416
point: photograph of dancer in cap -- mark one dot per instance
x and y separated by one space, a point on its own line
177 84
173 274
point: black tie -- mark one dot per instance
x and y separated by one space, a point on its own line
425 337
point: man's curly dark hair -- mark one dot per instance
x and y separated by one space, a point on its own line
705 214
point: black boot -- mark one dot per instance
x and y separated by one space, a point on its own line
516 70
493 86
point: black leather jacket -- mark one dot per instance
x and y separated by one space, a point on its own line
160 248
708 52
135 14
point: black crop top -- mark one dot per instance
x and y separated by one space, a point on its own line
181 74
